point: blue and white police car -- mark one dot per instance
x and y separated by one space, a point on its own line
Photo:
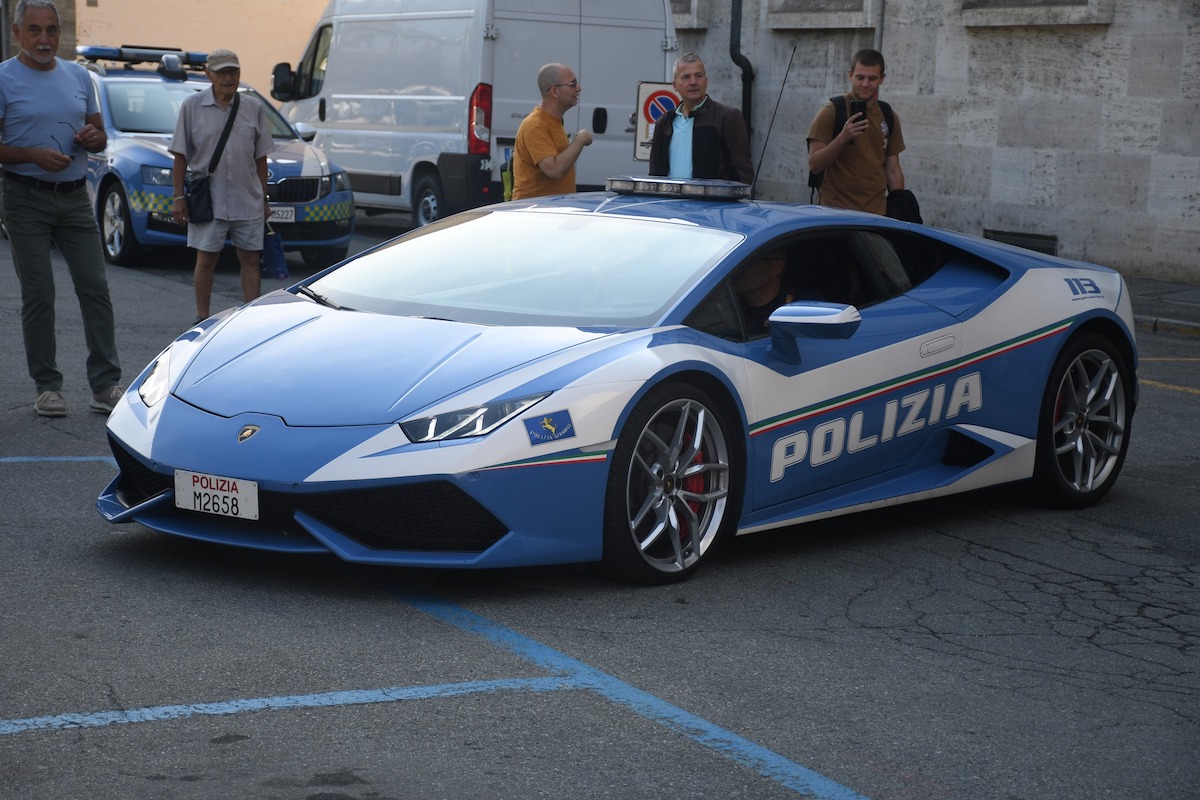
589 378
312 207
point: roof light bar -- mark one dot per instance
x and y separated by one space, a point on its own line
678 187
135 54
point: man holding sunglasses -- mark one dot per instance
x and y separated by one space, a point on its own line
48 119
543 157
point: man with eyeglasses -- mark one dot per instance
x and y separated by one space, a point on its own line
702 138
543 157
48 119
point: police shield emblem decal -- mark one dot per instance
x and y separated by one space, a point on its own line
549 427
246 432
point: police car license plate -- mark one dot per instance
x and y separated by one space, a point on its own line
214 494
282 214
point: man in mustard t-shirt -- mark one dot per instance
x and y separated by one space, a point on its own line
860 162
543 158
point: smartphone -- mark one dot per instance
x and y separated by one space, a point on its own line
858 107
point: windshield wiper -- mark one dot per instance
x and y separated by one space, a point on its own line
320 298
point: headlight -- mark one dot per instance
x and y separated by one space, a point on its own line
158 383
466 422
341 181
156 176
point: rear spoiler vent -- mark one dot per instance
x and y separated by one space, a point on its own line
1030 241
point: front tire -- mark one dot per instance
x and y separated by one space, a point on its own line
116 228
429 202
671 493
1084 423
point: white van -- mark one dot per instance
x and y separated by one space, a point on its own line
420 100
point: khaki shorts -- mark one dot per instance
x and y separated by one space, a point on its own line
245 234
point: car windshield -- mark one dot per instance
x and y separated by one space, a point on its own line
140 106
532 267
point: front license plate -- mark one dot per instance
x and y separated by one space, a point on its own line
214 494
282 214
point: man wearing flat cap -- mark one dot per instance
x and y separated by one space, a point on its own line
238 183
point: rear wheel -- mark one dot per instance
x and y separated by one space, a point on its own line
116 228
671 496
428 201
1083 431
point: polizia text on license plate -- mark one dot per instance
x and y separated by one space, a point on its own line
216 494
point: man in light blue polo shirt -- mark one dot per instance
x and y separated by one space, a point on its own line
48 119
702 138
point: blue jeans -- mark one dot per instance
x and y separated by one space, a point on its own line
35 218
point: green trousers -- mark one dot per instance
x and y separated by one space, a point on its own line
35 219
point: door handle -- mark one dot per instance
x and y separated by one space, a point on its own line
938 345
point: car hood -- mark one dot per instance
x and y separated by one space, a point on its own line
296 158
319 367
151 146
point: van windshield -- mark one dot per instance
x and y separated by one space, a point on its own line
532 267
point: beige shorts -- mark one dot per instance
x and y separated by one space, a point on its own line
245 234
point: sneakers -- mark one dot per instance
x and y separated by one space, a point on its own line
104 400
50 404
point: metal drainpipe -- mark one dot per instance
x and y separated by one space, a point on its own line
735 52
879 5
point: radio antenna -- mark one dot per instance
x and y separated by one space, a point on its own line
772 123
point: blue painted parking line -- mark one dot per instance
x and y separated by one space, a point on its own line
356 697
766 762
568 674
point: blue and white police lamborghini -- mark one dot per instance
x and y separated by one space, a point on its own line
574 379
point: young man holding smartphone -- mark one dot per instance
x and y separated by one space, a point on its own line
860 162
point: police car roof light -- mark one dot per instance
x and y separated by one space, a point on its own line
678 187
138 54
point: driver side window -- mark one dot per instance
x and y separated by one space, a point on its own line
310 75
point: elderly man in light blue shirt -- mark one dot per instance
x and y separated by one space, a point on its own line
49 122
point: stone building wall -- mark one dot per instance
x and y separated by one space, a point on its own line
1072 126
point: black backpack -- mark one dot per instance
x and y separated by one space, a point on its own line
840 115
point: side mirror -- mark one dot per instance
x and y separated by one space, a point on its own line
305 131
283 83
809 319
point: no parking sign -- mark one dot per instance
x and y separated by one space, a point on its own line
655 99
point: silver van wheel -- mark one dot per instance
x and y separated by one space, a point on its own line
427 200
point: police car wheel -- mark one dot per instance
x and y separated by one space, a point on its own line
1084 427
116 228
671 493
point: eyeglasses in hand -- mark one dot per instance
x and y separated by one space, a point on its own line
74 144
